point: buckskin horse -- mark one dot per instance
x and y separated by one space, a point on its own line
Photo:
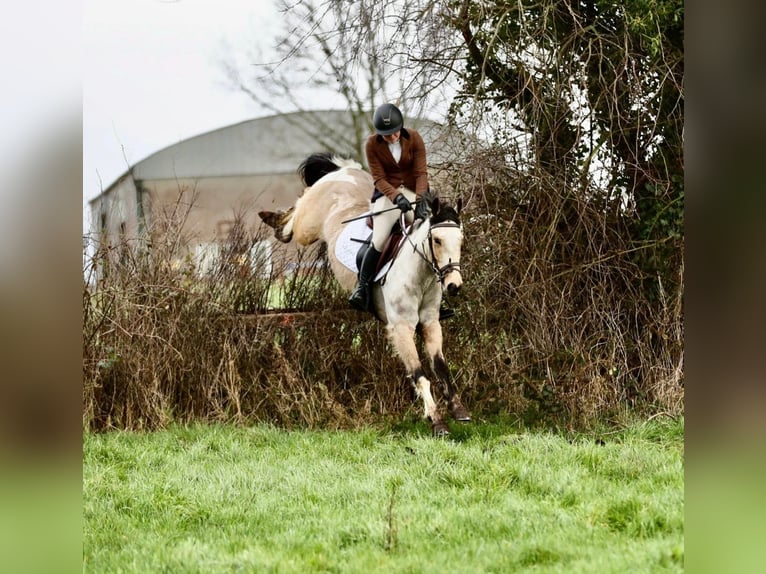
426 265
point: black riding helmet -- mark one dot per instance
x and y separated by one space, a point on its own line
387 120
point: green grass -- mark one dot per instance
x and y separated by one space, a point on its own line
492 498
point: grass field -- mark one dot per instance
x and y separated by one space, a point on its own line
494 497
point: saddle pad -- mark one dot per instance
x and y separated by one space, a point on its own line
345 248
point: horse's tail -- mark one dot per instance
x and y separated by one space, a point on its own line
318 165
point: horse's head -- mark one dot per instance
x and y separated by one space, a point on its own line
446 240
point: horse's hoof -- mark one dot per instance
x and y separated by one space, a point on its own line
440 430
460 413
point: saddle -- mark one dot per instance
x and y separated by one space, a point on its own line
390 249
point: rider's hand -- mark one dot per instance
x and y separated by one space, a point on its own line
421 209
402 203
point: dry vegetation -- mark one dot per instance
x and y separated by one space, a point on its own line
561 315
556 323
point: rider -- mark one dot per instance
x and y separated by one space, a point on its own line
397 160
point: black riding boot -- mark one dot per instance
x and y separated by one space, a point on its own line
360 298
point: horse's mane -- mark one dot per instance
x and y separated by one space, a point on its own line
317 165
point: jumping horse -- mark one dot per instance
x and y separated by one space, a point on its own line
410 293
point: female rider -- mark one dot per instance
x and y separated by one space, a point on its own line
397 160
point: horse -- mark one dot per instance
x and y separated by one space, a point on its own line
409 296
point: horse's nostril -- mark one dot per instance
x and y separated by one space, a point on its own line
453 289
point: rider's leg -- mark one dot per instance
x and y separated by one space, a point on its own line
381 229
383 222
360 297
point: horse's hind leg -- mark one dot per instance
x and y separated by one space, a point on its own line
432 336
281 221
402 337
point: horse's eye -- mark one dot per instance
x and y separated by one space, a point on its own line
437 241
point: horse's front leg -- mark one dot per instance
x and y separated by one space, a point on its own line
402 337
432 336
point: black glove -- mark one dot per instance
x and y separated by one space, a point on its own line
402 203
421 209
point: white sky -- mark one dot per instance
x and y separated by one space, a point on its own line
152 76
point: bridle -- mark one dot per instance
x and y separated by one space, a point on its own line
440 272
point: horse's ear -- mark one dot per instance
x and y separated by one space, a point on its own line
432 199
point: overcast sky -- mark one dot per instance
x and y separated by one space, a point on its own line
152 76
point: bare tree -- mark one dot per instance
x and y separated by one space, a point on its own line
317 58
358 54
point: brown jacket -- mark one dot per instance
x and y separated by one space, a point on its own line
409 172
